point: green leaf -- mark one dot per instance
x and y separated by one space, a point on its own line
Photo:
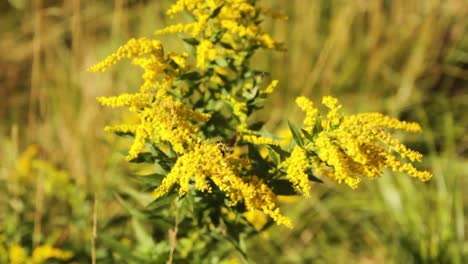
162 201
258 102
283 187
142 235
186 206
254 154
216 37
307 135
226 45
191 41
130 208
256 126
222 62
274 156
191 76
283 154
121 249
242 244
260 167
216 11
125 134
296 134
318 125
150 181
117 221
143 157
312 177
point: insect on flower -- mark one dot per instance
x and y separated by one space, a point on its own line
224 148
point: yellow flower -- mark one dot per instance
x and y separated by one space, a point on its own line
40 254
257 218
267 41
17 254
172 29
351 146
162 119
236 19
296 165
206 52
311 112
206 161
45 252
180 60
133 48
333 116
258 140
269 89
23 164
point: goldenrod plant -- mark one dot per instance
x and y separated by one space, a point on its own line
213 163
29 236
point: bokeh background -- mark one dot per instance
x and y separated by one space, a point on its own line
405 58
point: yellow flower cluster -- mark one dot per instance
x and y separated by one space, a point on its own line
162 119
269 89
258 140
296 165
235 20
350 146
24 163
133 48
18 255
45 252
206 52
311 112
206 161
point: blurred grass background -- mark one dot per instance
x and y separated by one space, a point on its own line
406 58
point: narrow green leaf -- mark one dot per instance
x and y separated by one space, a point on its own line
283 187
141 234
145 157
274 156
312 177
162 202
254 154
307 135
242 244
121 249
258 102
116 221
130 207
150 181
283 154
318 125
296 134
186 206
217 36
191 76
226 45
124 134
256 126
191 41
216 11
